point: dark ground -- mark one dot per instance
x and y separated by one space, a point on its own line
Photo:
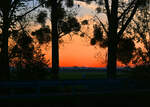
141 99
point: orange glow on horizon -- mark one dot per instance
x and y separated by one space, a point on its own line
77 51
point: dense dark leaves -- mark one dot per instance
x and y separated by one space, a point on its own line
98 33
82 34
84 22
71 24
103 43
15 35
101 2
41 18
42 35
126 46
125 50
74 25
69 3
30 63
93 41
143 3
141 29
24 40
23 48
60 12
98 9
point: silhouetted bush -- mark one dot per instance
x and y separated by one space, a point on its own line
141 72
32 74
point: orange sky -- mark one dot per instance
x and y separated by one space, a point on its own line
78 51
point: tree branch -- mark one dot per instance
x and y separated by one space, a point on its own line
85 34
127 9
107 8
128 21
101 24
32 10
13 6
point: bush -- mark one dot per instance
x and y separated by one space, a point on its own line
31 74
141 72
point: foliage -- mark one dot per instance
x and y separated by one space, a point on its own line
9 19
125 47
41 18
84 22
140 72
98 35
119 15
61 25
27 58
69 25
43 35
66 25
141 27
125 50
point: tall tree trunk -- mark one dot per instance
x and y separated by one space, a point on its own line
112 59
55 45
4 61
112 41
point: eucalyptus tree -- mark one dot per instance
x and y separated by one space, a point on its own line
61 24
119 15
11 12
7 16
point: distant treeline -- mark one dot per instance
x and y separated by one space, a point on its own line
88 69
82 69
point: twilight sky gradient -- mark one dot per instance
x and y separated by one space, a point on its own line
77 51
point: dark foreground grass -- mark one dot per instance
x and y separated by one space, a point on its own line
67 76
88 75
129 99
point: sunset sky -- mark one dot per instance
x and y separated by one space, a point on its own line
77 51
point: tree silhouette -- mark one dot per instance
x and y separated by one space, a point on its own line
27 57
7 16
141 28
25 54
61 24
119 15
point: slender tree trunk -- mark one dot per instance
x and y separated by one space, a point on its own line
4 61
55 45
112 41
112 59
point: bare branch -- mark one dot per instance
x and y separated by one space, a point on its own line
127 9
107 8
102 24
32 10
128 21
13 6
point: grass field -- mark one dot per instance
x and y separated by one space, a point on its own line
88 75
126 99
64 75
